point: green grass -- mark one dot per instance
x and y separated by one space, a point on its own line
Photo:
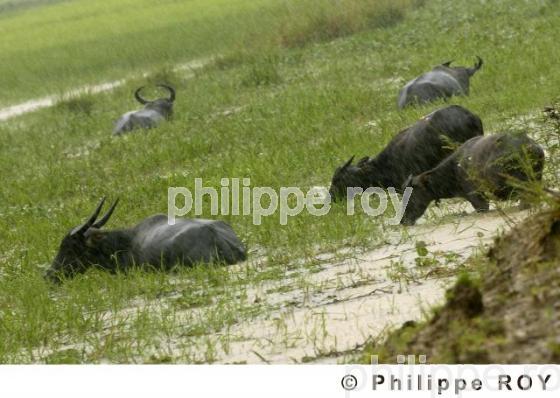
301 107
50 46
7 6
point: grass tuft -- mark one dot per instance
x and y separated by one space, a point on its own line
337 18
262 71
82 105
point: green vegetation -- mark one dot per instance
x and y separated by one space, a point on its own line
501 312
284 107
48 46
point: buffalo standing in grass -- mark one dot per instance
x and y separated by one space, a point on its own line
412 151
444 81
153 242
494 165
154 112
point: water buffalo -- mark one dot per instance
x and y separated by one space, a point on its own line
412 151
152 242
444 81
493 166
150 116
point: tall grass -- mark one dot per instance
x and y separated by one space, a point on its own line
312 21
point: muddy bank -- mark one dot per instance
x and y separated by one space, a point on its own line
325 315
509 313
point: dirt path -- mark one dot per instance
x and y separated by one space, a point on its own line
45 102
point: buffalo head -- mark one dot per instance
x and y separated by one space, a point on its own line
163 106
349 175
462 73
84 246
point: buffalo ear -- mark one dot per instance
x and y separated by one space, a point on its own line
422 180
448 63
93 238
363 161
419 181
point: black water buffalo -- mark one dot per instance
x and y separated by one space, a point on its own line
444 81
153 243
493 166
412 151
150 116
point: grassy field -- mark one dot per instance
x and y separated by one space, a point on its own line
284 110
48 46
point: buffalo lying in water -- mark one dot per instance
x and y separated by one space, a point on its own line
150 116
444 81
412 151
493 165
152 242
